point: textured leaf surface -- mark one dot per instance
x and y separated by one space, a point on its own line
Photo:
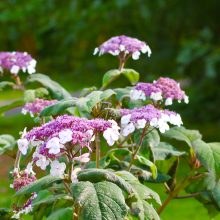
61 214
99 201
56 90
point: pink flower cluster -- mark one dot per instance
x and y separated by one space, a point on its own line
123 45
139 118
37 106
163 88
16 61
63 134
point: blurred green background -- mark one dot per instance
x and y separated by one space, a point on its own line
61 35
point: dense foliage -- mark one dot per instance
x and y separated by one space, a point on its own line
93 156
183 36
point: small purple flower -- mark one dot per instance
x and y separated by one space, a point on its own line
123 47
16 61
163 88
37 106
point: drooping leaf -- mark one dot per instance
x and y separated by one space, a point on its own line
97 175
7 143
164 151
122 93
148 163
58 107
131 75
110 76
183 134
38 185
5 84
99 201
61 214
55 89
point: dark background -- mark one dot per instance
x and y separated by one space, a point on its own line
183 35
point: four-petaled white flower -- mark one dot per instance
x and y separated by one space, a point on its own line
176 120
146 49
112 134
186 99
23 145
57 168
156 96
136 55
42 161
29 169
137 95
128 129
125 119
54 145
140 123
65 136
84 158
168 101
74 175
154 122
14 69
162 125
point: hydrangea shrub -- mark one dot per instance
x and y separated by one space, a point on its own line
94 156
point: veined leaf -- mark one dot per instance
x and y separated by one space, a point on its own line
7 143
131 75
99 201
110 76
61 214
56 90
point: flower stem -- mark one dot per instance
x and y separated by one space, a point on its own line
17 160
173 194
137 149
97 144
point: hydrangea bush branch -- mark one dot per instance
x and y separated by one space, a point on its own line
98 152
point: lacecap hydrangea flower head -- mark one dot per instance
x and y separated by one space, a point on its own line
139 118
63 135
17 61
163 89
123 47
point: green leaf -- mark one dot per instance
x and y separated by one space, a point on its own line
183 134
5 213
29 95
11 105
99 201
110 76
148 163
97 175
58 107
208 154
38 185
122 93
132 75
55 89
5 84
165 151
61 214
7 143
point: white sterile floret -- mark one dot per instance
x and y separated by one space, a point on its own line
54 145
122 47
23 111
137 95
23 145
128 129
154 122
15 69
176 120
42 161
74 175
96 51
165 117
84 158
140 123
29 169
186 99
146 49
136 55
65 136
112 134
156 96
31 66
162 125
125 119
91 134
57 168
114 53
168 101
